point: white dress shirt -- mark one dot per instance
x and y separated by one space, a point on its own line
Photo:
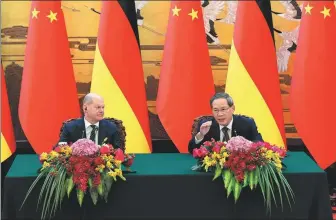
88 130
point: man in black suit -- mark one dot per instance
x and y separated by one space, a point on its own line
92 126
225 124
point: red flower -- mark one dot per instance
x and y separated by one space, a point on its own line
98 161
196 153
57 149
105 150
242 165
96 180
216 149
129 162
251 167
119 155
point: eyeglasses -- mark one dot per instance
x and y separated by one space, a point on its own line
223 110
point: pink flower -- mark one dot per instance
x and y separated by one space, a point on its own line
196 153
119 155
203 152
84 147
239 143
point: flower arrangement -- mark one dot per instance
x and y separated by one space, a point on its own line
84 166
243 163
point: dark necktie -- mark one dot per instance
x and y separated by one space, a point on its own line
226 137
93 133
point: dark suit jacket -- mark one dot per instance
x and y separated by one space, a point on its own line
74 130
241 126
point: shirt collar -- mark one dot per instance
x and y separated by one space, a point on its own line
229 126
87 124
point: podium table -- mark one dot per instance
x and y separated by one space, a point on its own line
165 187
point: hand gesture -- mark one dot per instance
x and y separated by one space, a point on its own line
205 127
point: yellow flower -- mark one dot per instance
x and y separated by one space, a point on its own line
222 162
112 173
214 156
117 163
108 164
225 154
269 154
100 167
45 165
223 149
53 154
44 156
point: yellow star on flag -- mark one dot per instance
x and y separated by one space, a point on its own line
193 14
35 13
308 9
52 16
176 11
325 12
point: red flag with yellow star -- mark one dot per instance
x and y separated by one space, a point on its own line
186 84
48 91
314 76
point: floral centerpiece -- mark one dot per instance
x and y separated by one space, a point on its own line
243 163
83 166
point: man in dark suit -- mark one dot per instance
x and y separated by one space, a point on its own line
92 126
224 124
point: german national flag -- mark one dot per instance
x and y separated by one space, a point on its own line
253 79
118 75
7 134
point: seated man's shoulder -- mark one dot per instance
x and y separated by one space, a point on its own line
72 122
244 119
108 123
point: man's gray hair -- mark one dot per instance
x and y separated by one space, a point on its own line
222 95
89 98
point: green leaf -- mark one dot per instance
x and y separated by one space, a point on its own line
70 185
262 183
90 182
100 189
256 177
42 174
80 197
231 186
251 179
94 195
218 172
275 179
227 175
237 190
245 183
108 181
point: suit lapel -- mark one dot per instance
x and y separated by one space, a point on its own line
100 132
81 129
215 130
234 131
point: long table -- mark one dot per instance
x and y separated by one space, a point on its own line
165 187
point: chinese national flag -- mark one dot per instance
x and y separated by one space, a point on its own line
313 83
48 91
186 84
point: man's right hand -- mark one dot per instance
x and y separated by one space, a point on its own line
204 129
